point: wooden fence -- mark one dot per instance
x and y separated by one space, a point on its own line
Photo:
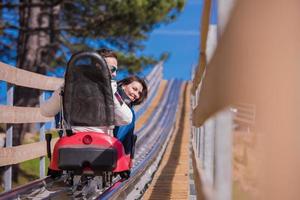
10 115
259 82
211 131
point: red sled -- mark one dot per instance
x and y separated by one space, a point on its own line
87 101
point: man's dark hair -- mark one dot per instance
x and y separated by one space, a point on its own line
144 94
107 53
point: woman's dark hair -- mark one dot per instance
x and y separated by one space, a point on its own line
107 53
144 94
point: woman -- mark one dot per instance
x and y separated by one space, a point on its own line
133 91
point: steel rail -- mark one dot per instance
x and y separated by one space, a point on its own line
16 192
122 189
159 124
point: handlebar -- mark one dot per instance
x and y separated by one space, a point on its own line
98 58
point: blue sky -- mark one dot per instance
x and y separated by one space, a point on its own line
180 39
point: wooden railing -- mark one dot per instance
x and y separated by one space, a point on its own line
212 128
260 83
10 115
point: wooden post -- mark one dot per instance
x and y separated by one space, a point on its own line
42 138
9 138
202 145
223 162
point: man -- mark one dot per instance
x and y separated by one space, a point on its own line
123 114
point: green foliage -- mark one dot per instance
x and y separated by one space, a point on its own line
30 169
78 25
132 63
123 24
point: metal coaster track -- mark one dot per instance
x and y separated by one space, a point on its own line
150 152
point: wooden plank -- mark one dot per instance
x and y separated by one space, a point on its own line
171 179
18 154
25 78
15 115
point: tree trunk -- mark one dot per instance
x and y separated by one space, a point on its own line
30 57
